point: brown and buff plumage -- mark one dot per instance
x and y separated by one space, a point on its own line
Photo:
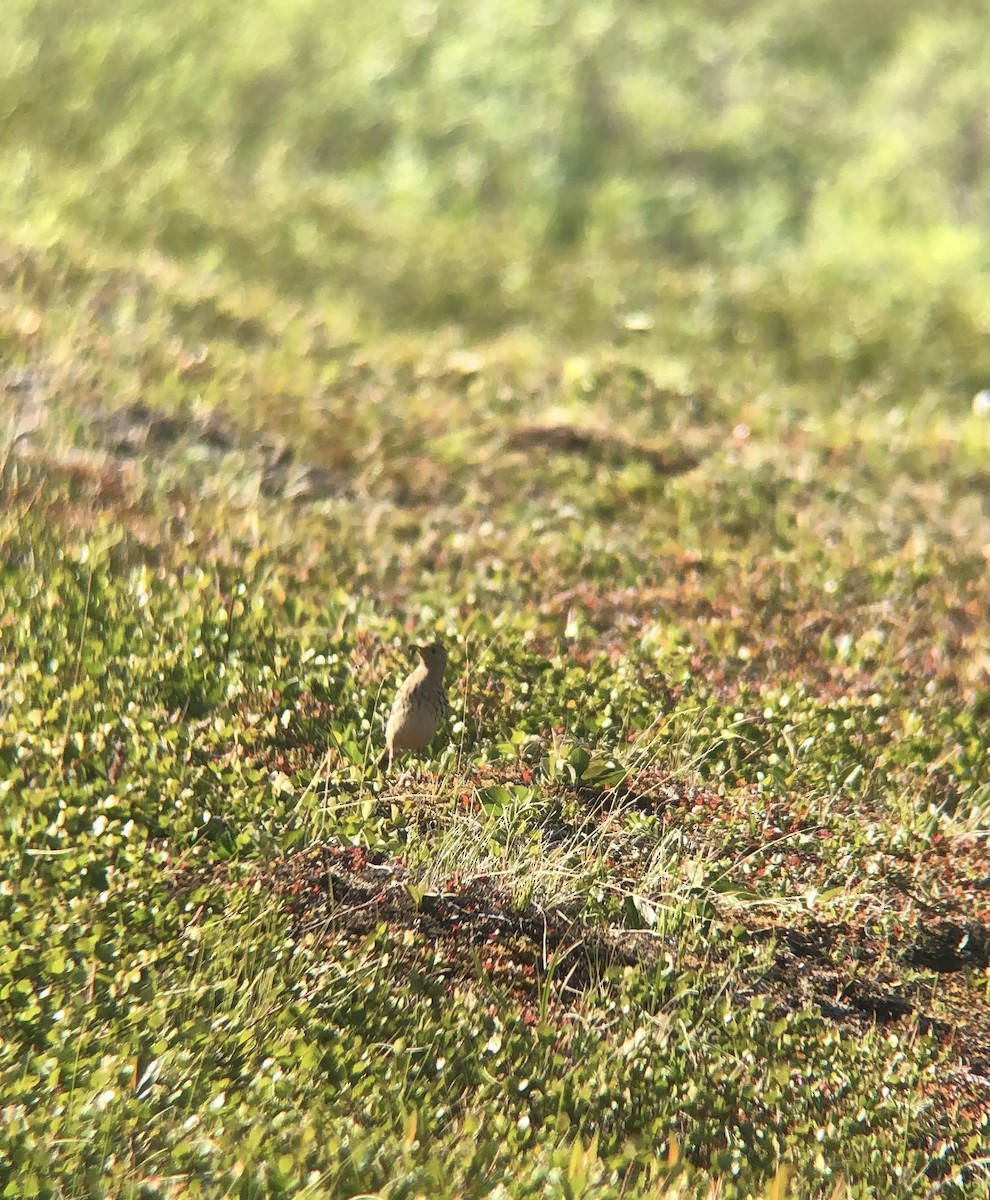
420 705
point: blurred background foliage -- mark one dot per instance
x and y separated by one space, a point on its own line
814 171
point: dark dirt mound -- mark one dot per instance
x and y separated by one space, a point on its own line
468 926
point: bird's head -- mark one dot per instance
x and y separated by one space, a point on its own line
434 657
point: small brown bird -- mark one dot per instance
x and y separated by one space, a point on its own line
420 705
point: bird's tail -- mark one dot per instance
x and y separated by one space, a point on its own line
385 761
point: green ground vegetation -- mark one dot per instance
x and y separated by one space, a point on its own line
630 349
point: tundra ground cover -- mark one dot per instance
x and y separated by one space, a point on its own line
684 467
